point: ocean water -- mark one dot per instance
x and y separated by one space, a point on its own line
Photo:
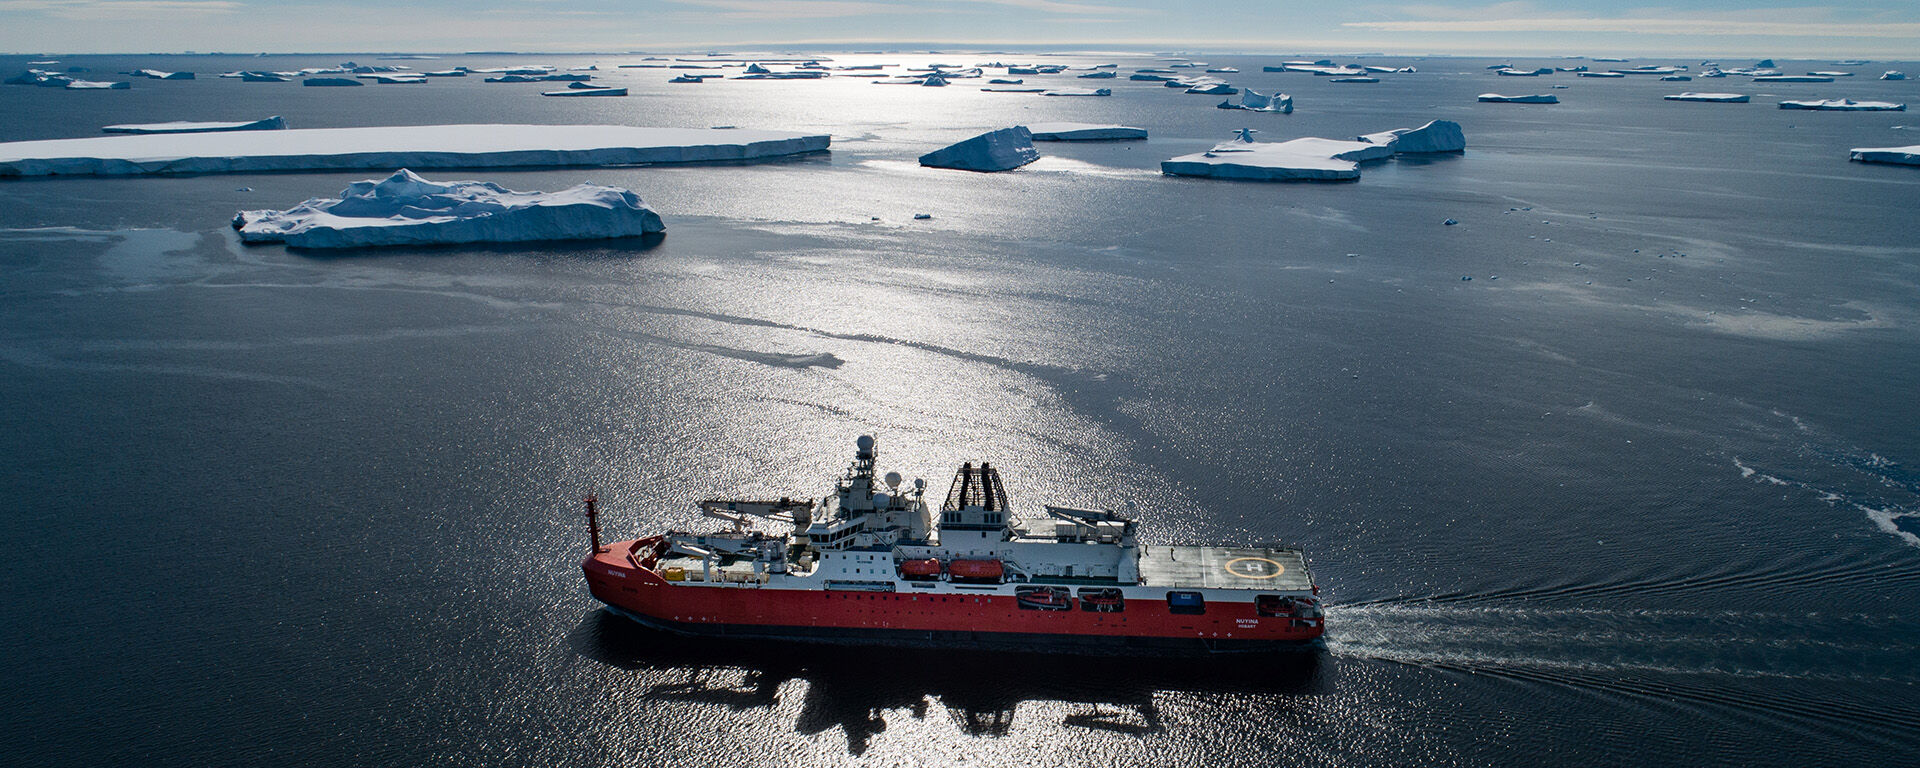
1643 490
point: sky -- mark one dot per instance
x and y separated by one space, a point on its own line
1883 29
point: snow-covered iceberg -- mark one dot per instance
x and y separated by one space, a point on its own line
1077 92
96 85
405 209
1001 150
589 91
1435 136
159 75
274 123
1538 98
1893 74
1252 101
1601 74
1213 89
1845 105
1297 160
1897 155
1792 79
1084 132
331 81
1354 80
416 146
1722 98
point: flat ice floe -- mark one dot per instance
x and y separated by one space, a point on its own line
1435 136
1722 98
181 126
1084 132
421 146
1538 98
1909 155
1001 150
405 209
1307 159
1845 105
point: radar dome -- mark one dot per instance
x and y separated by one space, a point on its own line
864 443
893 479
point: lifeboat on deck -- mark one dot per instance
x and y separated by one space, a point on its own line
1044 598
976 570
920 569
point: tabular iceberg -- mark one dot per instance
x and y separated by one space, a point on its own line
1538 98
591 91
1845 105
1435 136
1297 160
96 85
1792 79
1897 155
331 81
1723 98
1893 74
1078 92
1001 150
405 209
1084 132
420 146
1252 101
181 126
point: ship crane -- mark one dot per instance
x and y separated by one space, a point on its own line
742 512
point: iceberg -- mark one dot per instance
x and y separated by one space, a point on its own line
1894 74
1675 79
1252 101
397 79
1001 150
1538 98
1354 80
96 85
330 81
1224 71
1390 70
1792 79
590 91
1511 72
1896 155
689 79
1600 74
1845 105
263 77
159 75
180 126
1144 78
1084 132
1435 136
1307 159
1213 89
406 209
1722 98
1832 73
991 89
1647 71
1077 92
1765 63
1101 75
416 146
445 73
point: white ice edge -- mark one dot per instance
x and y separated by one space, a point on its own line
386 148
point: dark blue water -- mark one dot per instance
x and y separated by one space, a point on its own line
1648 497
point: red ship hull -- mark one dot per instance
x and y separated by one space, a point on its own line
949 620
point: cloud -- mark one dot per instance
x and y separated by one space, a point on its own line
1712 27
118 10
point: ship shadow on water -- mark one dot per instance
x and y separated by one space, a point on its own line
853 687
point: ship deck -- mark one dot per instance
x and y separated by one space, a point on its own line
1280 570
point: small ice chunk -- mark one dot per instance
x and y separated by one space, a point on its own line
274 123
405 209
1084 132
1450 222
1723 98
1001 150
1435 136
922 216
1538 98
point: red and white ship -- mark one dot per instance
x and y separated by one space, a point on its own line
870 564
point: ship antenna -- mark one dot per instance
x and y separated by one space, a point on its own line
593 522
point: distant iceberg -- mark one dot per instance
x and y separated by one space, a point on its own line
1600 74
1077 92
418 146
274 123
1001 150
1084 132
1831 73
96 85
1538 98
1213 89
330 81
1675 79
1512 72
1354 80
1896 155
1894 74
1845 105
159 75
1436 136
1307 159
405 209
1792 79
1101 75
592 91
1722 98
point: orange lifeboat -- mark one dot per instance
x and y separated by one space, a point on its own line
920 569
976 570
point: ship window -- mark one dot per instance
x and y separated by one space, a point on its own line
1186 603
1273 605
